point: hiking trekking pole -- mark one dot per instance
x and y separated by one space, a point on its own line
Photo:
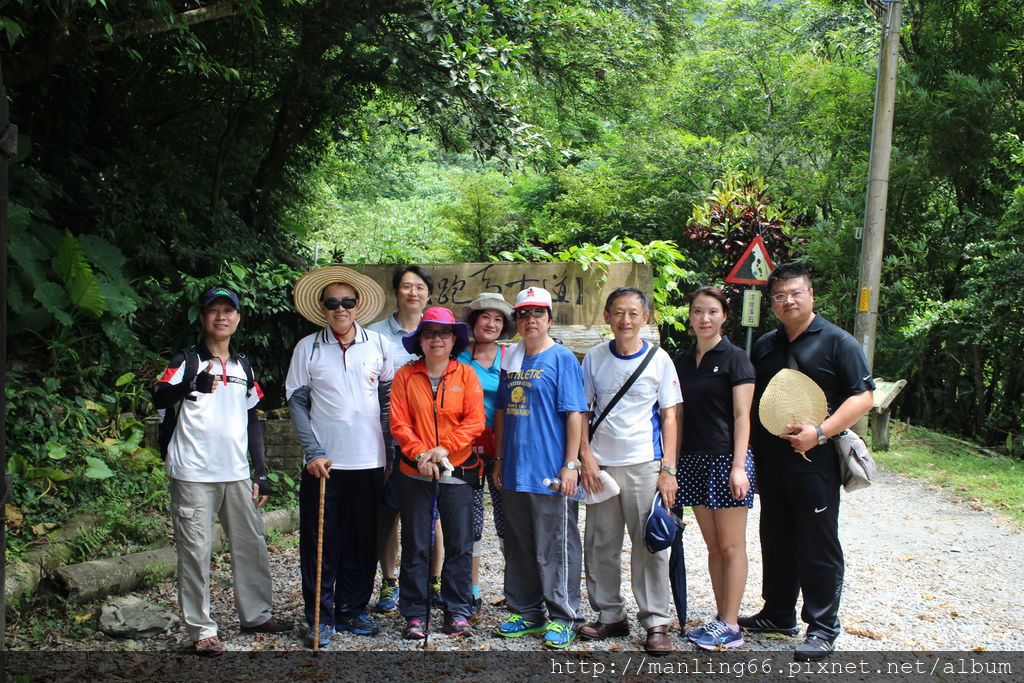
319 561
430 557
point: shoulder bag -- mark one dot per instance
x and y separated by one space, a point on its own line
625 387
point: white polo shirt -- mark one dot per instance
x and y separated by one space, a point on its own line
344 407
631 434
211 440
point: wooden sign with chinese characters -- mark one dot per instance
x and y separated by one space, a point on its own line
577 296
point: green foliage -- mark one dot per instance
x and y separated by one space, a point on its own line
984 480
479 209
286 491
32 625
68 454
740 208
670 268
155 573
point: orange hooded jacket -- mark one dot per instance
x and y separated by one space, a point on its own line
454 418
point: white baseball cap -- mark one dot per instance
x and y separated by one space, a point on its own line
533 296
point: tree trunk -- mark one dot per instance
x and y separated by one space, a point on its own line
97 579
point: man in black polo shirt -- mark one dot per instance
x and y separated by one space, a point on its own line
800 493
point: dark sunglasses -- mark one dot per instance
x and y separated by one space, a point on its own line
443 333
345 302
530 312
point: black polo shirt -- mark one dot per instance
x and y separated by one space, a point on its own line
707 396
827 354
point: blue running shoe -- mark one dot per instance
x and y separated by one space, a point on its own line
326 632
696 633
720 637
388 601
361 625
517 626
558 636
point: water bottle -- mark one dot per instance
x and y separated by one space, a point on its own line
611 488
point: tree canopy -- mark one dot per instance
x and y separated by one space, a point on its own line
169 144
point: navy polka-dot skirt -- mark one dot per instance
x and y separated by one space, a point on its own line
704 480
478 507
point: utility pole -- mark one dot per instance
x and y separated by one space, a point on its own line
873 238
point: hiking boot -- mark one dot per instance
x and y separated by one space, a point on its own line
326 631
758 623
360 625
210 647
435 593
388 601
718 636
517 626
558 636
813 648
696 633
271 625
458 627
478 611
414 630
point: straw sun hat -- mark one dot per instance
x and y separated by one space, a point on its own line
791 398
309 286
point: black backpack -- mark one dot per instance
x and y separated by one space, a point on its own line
170 418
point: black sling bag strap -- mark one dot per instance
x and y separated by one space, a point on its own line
625 387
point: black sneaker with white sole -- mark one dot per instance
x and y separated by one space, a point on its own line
813 648
758 623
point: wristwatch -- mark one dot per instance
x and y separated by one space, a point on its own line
822 439
670 469
571 465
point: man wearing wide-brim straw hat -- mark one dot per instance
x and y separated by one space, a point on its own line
337 384
798 466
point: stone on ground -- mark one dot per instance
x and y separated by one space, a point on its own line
132 617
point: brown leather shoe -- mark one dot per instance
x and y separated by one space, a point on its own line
595 630
657 641
210 647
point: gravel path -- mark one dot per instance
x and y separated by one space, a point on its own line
924 572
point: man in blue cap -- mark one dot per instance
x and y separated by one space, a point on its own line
211 392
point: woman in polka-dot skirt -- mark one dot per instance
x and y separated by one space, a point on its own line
716 468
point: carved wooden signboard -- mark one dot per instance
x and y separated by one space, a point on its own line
578 296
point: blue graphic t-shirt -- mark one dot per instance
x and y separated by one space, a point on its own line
535 401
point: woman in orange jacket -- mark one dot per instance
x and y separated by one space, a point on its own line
437 412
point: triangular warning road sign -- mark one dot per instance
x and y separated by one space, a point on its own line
753 267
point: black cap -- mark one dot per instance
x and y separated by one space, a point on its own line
214 293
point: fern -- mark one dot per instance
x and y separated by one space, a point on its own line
82 286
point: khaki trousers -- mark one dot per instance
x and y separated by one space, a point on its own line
602 546
194 505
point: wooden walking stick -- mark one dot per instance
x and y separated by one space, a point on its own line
319 562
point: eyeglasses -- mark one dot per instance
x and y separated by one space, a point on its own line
524 313
346 302
443 333
782 297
